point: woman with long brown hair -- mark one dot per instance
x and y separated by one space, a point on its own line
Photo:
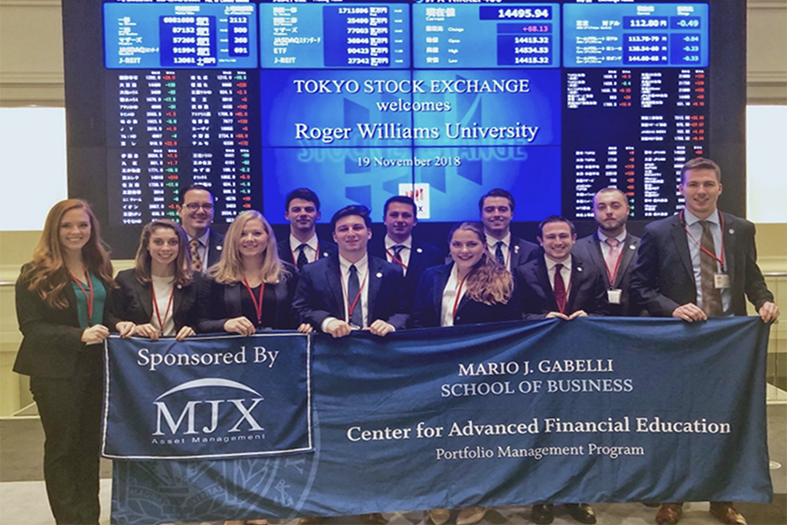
473 288
160 293
62 305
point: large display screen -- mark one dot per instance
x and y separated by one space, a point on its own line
363 100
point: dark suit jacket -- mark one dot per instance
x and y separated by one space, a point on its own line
523 252
285 254
319 294
133 301
52 342
537 299
215 245
428 303
663 277
589 250
220 302
422 256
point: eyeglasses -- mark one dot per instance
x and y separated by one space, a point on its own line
193 206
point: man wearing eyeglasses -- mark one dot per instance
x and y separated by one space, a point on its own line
196 216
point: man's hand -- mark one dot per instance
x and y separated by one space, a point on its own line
558 315
578 313
689 312
769 312
338 328
381 328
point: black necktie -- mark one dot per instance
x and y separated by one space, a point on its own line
302 261
499 254
397 252
711 296
353 293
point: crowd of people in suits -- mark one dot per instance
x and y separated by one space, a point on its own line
189 279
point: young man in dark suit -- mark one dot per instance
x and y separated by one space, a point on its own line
302 210
612 250
558 284
196 210
497 211
399 248
578 292
352 290
700 263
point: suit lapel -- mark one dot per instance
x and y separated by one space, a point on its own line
439 287
333 276
177 300
375 280
682 246
543 279
232 300
730 241
627 258
575 283
145 297
597 257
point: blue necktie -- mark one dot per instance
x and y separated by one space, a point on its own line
353 289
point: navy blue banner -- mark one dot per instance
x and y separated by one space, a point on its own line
222 397
593 410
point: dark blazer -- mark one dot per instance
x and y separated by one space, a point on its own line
220 302
589 250
319 294
215 245
663 277
537 299
133 301
422 256
285 254
52 341
428 303
523 251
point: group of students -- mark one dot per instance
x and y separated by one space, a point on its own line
188 279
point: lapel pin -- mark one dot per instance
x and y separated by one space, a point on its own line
632 247
219 247
731 231
325 254
579 268
419 250
516 249
379 275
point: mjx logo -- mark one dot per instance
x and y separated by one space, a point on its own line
208 409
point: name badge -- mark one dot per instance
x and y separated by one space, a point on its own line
721 280
613 296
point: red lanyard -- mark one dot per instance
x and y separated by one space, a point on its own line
257 302
316 254
88 296
351 307
614 272
713 255
395 260
458 293
155 306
